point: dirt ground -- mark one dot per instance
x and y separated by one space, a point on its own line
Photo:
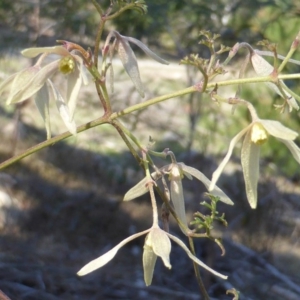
62 207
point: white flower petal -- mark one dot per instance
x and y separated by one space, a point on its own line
250 164
232 144
108 256
33 52
277 130
201 177
293 148
36 82
73 87
194 258
42 103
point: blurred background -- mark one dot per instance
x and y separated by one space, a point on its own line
62 207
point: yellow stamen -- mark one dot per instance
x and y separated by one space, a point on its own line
258 134
67 65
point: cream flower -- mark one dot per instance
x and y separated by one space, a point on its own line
254 135
36 80
157 244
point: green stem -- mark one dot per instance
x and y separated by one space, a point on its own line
120 128
130 135
197 272
136 107
97 41
150 102
289 76
293 48
98 7
51 141
252 80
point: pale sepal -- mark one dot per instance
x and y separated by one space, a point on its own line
149 260
129 62
141 187
277 130
250 164
5 85
33 52
293 148
20 81
82 70
63 109
194 258
42 103
146 50
161 245
73 86
108 256
261 66
201 177
177 193
232 144
36 83
138 190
